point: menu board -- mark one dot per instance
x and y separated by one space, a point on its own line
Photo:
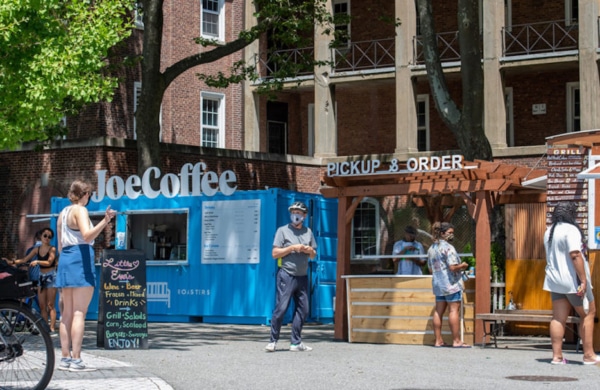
122 316
564 163
231 231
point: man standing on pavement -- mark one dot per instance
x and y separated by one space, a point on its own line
293 246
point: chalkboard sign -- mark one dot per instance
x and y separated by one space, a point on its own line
122 316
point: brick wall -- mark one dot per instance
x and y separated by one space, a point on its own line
180 113
30 178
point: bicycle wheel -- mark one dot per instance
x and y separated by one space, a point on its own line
26 349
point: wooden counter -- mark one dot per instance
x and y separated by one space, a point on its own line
399 310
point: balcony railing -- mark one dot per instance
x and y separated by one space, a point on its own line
448 48
365 55
299 57
518 40
537 38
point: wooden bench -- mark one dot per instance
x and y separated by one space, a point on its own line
499 318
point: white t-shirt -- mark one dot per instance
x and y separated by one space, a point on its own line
561 276
406 266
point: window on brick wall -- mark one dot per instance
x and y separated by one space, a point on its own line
139 21
573 108
311 129
277 137
63 124
365 229
510 125
137 91
423 123
212 129
277 127
341 9
571 12
212 21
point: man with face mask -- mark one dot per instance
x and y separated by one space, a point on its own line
293 246
409 246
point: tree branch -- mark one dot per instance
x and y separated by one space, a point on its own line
173 71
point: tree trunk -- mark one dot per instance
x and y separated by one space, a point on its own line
147 115
465 124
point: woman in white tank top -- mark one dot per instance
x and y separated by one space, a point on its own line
76 276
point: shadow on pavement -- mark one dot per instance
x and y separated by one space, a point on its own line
180 336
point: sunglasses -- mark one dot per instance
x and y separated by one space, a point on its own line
47 236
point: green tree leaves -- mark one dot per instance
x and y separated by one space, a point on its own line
53 57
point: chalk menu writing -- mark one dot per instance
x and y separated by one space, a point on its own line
563 166
231 231
122 317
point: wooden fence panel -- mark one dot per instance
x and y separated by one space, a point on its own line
399 310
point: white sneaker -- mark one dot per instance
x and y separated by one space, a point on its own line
300 348
271 347
64 364
77 365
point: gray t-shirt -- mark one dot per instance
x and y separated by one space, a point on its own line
296 263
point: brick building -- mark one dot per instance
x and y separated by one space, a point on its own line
541 79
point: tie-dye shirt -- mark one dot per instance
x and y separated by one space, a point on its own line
441 255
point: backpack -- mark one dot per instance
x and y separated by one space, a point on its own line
15 283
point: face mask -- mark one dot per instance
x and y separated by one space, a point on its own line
450 237
296 218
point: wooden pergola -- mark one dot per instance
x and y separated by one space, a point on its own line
480 184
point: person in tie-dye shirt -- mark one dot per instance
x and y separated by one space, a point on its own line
446 269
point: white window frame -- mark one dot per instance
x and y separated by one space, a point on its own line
220 120
138 17
311 129
285 136
425 99
510 119
508 15
569 17
62 123
137 91
377 227
571 88
347 2
221 23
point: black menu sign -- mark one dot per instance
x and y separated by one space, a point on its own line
122 316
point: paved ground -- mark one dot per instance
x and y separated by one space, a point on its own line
205 356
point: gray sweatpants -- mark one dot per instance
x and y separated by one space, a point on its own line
289 287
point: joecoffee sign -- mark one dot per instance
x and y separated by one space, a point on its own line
192 180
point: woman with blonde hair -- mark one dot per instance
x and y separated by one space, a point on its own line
446 269
76 275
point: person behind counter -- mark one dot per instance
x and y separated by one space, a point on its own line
76 276
446 269
568 280
409 246
294 244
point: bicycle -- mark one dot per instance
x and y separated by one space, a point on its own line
26 348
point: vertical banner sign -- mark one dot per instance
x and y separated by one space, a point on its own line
122 315
564 163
